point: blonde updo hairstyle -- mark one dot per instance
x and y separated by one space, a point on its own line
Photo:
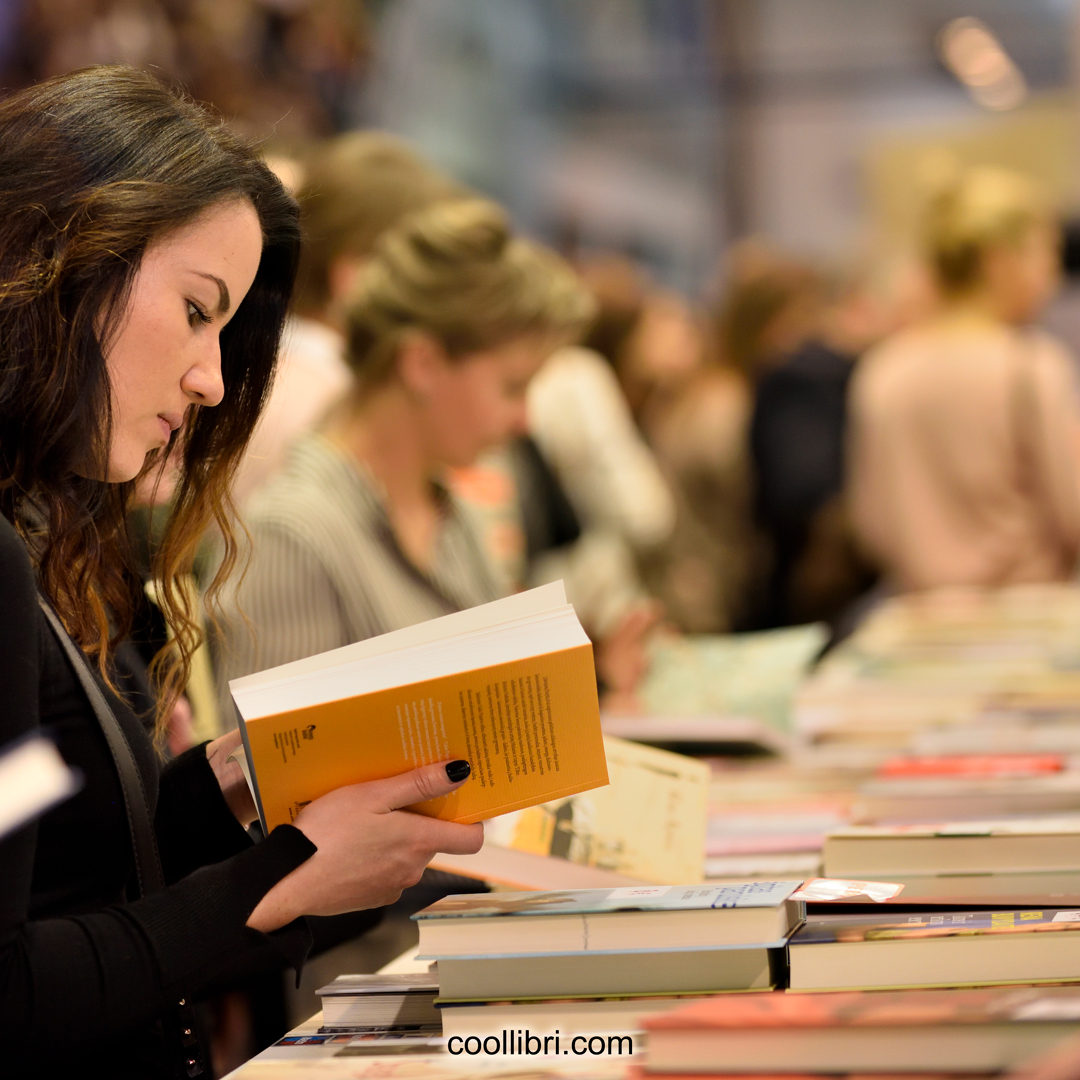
456 272
982 209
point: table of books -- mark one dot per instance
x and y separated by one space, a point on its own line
305 1052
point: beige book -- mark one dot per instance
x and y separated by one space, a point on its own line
975 847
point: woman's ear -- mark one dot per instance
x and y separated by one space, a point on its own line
421 364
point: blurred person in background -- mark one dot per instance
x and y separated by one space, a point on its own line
797 440
711 572
352 189
358 535
769 305
291 68
965 428
586 431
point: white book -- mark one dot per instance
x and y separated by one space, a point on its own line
33 777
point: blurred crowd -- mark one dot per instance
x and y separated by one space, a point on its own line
461 412
774 453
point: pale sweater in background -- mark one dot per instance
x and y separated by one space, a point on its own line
582 424
964 456
311 376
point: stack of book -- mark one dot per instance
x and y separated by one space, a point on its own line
942 948
525 955
381 1003
1033 861
976 1031
961 786
954 659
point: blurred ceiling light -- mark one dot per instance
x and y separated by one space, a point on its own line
974 55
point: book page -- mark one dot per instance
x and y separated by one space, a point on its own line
519 606
552 631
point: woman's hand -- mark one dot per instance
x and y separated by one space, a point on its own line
230 778
369 847
622 658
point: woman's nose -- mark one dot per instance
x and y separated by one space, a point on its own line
202 382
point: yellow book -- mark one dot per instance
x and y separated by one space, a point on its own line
509 686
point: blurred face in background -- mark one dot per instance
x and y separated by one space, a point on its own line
471 403
1021 278
664 349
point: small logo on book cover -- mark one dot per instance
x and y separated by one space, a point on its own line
308 732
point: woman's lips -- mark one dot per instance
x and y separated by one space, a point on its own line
166 428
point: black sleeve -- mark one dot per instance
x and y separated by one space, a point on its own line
95 976
797 450
194 824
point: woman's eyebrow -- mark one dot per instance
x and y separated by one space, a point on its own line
223 291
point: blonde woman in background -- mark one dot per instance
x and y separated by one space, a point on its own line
352 189
965 429
358 535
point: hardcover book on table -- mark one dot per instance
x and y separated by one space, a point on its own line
1033 845
380 1003
945 949
594 942
973 1031
509 686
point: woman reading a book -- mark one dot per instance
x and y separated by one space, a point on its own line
146 261
359 536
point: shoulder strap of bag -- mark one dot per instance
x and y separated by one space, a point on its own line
143 842
179 1024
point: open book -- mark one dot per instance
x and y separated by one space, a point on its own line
509 686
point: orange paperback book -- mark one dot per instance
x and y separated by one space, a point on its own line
509 686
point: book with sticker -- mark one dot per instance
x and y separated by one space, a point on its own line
509 686
951 948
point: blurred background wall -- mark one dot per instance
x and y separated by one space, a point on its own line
665 128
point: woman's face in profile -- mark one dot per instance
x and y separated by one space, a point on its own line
1026 275
477 401
166 354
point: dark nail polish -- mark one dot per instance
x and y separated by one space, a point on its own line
458 770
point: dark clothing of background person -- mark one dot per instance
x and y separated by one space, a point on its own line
547 518
86 973
797 436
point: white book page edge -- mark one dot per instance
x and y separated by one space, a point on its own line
519 606
551 632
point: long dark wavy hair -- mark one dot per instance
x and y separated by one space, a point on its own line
94 166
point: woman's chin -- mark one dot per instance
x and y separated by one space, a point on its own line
125 468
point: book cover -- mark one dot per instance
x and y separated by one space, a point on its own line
751 894
529 725
1041 826
378 984
971 765
830 929
881 1008
648 823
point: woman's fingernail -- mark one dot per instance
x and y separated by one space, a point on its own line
458 771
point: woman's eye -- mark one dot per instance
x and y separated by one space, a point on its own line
196 314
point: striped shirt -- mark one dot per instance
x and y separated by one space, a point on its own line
326 569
